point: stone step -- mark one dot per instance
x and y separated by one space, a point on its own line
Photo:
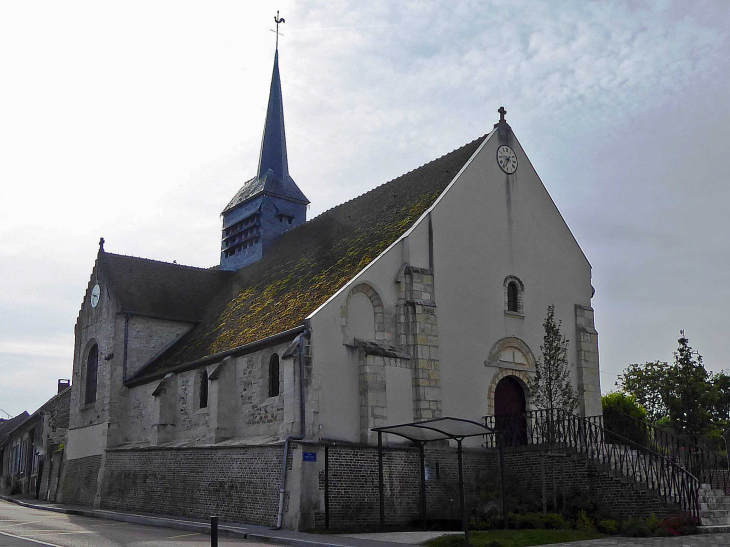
724 505
715 513
713 499
715 521
714 529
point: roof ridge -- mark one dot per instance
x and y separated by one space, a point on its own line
205 269
333 208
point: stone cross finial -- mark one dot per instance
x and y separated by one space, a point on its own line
502 112
101 244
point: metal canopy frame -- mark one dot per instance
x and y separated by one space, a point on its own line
426 431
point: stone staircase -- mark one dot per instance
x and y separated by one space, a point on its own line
714 507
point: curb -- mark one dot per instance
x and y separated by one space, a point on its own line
165 522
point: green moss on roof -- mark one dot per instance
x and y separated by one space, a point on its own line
310 263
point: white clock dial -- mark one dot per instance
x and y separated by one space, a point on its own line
95 295
507 159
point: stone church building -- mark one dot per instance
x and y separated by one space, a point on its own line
200 391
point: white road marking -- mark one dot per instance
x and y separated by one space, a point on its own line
22 524
31 540
184 535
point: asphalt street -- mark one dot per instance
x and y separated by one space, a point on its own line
25 527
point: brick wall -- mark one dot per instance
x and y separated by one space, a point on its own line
620 497
237 484
353 484
80 480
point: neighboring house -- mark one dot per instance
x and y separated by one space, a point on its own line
9 455
422 298
34 448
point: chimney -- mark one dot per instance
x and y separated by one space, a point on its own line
63 384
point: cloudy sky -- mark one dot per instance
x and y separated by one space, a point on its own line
137 121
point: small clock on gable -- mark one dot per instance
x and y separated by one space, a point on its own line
95 295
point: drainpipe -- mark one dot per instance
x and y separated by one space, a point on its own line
127 317
302 428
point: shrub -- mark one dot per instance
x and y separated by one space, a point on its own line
654 523
526 521
679 525
554 521
583 521
616 407
635 528
608 526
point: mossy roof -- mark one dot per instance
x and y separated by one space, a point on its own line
310 263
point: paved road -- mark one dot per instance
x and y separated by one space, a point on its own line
25 527
708 540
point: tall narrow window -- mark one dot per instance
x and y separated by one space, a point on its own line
92 369
274 375
512 297
204 389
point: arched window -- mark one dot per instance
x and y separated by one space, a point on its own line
512 294
513 289
92 372
204 389
274 375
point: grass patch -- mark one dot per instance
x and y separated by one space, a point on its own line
516 538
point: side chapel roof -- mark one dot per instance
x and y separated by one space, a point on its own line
160 289
310 263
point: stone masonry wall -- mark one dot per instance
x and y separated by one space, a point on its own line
623 499
589 378
238 484
80 478
353 484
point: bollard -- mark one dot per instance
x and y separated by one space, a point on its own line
213 531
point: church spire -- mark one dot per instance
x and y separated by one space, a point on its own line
273 142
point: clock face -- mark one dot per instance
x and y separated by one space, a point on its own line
95 295
507 159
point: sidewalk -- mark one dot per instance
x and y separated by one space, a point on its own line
260 533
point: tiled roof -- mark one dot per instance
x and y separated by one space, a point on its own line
160 289
8 426
310 263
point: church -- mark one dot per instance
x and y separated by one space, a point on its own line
233 390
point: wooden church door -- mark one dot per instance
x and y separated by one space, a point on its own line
509 411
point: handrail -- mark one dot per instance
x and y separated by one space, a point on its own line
670 479
711 467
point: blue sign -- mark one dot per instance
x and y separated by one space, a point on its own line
309 456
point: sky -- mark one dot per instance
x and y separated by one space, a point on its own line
138 121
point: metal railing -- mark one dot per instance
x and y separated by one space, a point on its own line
709 466
564 431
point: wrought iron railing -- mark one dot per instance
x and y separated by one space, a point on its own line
561 430
709 466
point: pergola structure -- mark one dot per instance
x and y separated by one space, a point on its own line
426 431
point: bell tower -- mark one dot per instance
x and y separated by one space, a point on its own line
270 203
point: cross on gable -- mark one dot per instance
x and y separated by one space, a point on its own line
502 112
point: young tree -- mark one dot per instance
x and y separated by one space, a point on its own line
688 393
550 388
647 384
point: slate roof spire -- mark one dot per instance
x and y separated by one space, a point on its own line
273 142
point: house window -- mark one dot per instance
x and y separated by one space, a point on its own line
203 389
92 371
513 289
274 375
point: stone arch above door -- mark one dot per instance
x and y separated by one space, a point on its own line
511 352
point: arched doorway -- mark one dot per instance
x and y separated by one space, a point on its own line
510 407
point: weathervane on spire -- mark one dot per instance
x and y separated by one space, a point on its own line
278 20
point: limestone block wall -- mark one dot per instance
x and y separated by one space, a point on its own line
147 337
589 377
239 405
